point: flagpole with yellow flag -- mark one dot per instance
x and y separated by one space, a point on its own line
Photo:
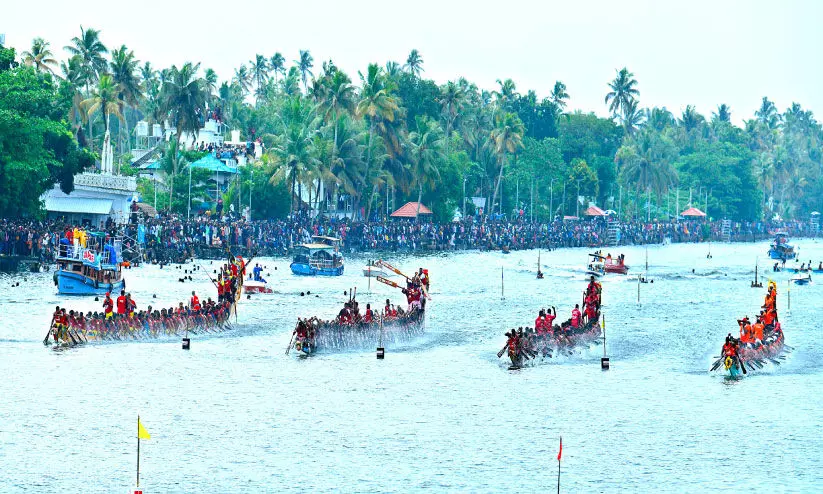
142 433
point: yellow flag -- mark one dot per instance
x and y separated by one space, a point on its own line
142 433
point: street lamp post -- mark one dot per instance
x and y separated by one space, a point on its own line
551 201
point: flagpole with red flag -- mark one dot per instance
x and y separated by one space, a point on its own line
559 455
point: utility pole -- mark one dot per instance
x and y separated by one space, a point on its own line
564 198
577 200
188 214
251 185
464 199
551 201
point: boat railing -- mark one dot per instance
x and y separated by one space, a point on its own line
323 263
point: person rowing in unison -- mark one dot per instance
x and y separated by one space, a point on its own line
575 320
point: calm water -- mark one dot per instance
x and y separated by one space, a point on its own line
235 414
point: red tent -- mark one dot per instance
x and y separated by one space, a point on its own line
409 210
694 213
594 211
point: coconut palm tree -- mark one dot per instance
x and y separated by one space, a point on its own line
507 93
659 118
559 95
40 56
182 99
723 114
91 51
425 151
304 65
767 114
105 98
210 83
622 91
278 65
124 72
292 149
505 139
337 98
452 98
632 117
260 73
376 105
414 63
647 162
242 78
72 71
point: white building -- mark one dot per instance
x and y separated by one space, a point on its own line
96 197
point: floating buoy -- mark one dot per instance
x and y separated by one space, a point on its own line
604 363
154 295
248 297
302 294
381 353
96 299
308 293
186 344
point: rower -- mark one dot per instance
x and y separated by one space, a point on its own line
108 305
369 315
121 302
195 302
576 316
387 309
549 318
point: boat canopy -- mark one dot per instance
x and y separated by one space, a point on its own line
317 246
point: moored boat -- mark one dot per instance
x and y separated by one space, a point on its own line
781 248
90 268
256 286
373 270
802 278
320 258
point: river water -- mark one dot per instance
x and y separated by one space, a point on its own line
442 413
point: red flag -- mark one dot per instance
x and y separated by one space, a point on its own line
560 453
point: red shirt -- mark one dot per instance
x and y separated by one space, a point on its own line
121 304
107 305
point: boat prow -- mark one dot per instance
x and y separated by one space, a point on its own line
255 286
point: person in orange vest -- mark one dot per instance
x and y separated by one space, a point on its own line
756 331
195 302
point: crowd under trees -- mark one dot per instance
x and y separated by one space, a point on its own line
387 133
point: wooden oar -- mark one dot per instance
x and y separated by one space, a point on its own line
51 327
388 282
503 350
388 266
716 364
288 348
742 364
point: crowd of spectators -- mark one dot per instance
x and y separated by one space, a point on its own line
31 238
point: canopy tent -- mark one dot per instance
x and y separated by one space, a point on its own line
693 212
409 210
570 218
211 163
594 211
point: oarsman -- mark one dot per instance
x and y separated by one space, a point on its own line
121 303
575 320
368 317
108 306
194 303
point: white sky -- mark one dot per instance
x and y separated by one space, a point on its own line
690 52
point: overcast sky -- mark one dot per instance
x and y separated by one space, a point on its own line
691 52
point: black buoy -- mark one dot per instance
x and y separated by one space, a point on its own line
302 294
215 271
248 297
604 363
96 299
308 293
381 353
186 344
154 295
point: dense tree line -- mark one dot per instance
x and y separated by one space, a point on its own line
389 134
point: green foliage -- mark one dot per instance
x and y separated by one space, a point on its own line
37 148
727 169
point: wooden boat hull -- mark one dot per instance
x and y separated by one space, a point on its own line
69 283
331 336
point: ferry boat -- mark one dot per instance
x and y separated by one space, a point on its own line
781 248
91 270
320 258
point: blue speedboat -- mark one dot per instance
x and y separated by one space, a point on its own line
93 269
320 258
781 248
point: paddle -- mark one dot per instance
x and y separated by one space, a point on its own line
717 363
502 350
388 282
288 348
51 327
388 266
742 364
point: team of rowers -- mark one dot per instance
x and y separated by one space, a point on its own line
527 342
73 327
753 335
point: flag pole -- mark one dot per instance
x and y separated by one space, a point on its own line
138 451
559 455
